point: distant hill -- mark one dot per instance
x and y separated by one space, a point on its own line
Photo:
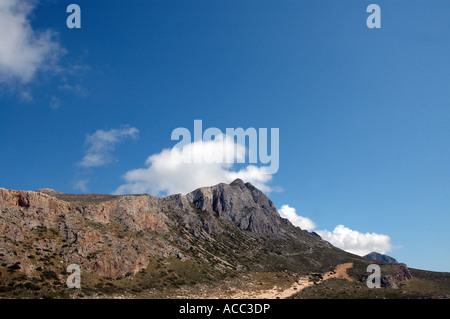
381 258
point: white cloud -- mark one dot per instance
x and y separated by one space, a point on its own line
81 185
23 51
25 96
54 102
170 171
75 89
356 242
303 222
102 143
342 237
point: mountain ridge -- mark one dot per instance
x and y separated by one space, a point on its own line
208 235
205 212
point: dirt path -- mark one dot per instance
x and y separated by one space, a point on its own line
278 293
339 272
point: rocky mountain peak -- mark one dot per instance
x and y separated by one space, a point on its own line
237 183
381 258
241 203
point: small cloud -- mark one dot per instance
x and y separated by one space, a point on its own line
75 89
25 96
102 143
78 68
303 222
81 185
55 103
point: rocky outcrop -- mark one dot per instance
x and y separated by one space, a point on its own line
381 258
392 276
397 278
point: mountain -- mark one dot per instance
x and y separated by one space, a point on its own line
381 258
232 225
213 239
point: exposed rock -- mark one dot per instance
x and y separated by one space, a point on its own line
392 276
381 258
316 234
242 204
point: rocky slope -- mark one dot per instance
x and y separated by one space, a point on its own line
209 234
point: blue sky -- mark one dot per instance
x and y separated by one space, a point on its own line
363 114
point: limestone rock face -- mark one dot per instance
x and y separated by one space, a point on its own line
93 235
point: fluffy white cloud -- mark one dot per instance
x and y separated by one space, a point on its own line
303 222
23 51
176 170
342 237
356 242
102 143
